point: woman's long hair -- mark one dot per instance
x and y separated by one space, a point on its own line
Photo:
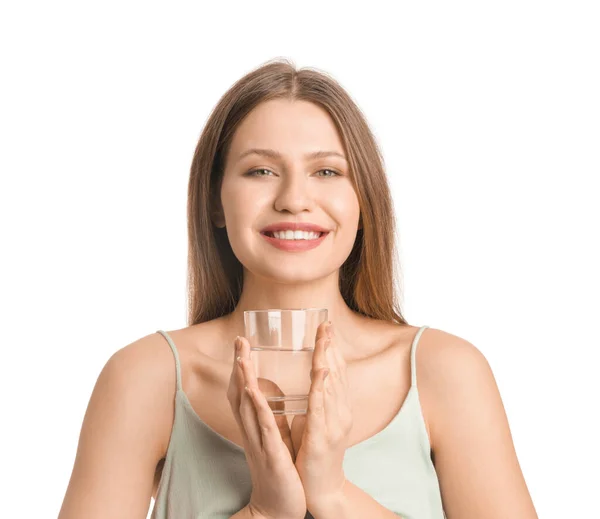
367 279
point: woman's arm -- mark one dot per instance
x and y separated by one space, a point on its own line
475 459
124 434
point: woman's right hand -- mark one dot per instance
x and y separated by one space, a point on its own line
277 490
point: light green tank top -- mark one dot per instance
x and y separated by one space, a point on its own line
205 475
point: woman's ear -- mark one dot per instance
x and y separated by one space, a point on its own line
217 216
218 220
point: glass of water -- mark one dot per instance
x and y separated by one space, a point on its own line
282 342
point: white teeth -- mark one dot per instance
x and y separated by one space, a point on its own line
296 235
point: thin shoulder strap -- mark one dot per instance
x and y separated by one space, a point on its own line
175 354
413 351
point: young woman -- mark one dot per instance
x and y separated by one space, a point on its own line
390 432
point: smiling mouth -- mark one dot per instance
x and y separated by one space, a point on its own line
272 235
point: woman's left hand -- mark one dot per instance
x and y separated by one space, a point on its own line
320 437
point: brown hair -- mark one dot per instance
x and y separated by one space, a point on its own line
367 278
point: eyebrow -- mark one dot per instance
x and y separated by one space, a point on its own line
267 152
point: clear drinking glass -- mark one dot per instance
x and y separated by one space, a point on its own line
282 342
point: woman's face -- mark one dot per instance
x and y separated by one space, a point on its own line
290 188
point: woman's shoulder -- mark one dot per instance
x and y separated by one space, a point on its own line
434 345
440 350
147 371
446 365
147 358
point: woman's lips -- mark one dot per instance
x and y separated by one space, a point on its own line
294 245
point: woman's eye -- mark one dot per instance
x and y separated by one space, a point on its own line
254 172
331 171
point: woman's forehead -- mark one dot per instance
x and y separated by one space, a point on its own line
286 129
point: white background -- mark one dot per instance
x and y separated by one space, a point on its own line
488 117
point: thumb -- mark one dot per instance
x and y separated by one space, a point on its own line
297 432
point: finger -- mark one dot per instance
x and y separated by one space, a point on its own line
286 436
319 360
271 440
268 426
335 411
297 432
233 393
338 417
315 423
335 361
322 330
248 414
337 365
340 363
332 392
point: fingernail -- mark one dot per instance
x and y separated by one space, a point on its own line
237 343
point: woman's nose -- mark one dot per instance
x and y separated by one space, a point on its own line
295 194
